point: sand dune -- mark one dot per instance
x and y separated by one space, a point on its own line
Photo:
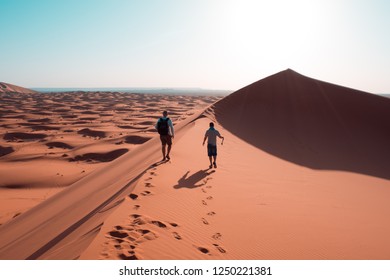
312 123
4 87
303 174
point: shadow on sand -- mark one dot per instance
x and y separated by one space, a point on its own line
195 180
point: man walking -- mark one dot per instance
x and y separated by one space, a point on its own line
211 134
164 127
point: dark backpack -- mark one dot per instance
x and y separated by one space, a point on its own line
162 126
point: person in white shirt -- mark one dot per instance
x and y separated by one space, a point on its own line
211 137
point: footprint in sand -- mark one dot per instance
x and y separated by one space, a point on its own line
146 193
220 249
209 197
136 207
123 240
159 224
129 255
205 221
206 180
135 216
203 250
147 234
212 213
204 191
119 234
209 187
124 253
149 185
217 236
176 235
138 220
134 236
204 202
133 196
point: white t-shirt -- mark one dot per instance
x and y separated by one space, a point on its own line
212 134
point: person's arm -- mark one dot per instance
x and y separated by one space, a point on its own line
205 138
221 137
171 126
156 126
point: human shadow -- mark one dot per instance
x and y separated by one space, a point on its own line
158 163
195 180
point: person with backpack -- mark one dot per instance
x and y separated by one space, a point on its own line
212 134
164 127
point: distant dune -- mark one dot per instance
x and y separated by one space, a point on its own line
4 87
142 90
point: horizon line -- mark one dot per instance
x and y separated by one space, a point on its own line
113 87
175 90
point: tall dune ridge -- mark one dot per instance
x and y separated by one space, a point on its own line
312 123
286 187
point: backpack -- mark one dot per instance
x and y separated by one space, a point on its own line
162 126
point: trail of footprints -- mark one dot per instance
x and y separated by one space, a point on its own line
216 236
124 239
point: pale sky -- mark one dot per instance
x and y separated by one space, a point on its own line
213 44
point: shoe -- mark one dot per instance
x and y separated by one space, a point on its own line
215 165
211 166
168 158
163 159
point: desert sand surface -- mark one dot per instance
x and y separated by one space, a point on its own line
49 141
303 173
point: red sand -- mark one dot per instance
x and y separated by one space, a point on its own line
303 174
50 141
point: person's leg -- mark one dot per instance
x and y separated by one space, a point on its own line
164 142
163 151
169 143
169 150
209 153
215 156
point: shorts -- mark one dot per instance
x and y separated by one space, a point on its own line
166 140
211 150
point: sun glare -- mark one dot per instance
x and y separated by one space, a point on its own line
278 31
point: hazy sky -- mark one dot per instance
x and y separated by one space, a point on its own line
213 44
